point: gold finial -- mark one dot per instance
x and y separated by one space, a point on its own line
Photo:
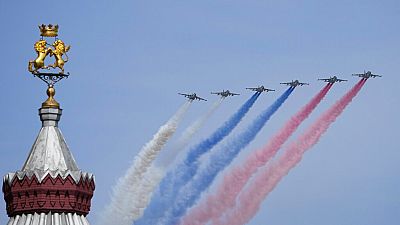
51 102
48 30
46 72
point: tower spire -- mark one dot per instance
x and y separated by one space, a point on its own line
50 188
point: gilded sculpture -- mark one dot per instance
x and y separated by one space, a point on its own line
58 49
42 52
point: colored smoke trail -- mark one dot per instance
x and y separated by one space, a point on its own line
143 192
186 136
184 171
219 159
235 180
251 198
120 210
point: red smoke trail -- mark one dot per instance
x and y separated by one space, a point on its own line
250 199
235 180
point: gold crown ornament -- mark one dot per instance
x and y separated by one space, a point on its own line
48 30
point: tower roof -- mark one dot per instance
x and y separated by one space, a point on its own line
50 151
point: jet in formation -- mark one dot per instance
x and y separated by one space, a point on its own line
295 83
260 89
224 93
192 97
332 80
366 75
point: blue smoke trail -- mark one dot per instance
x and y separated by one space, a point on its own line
183 172
218 161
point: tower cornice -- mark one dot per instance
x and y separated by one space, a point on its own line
52 194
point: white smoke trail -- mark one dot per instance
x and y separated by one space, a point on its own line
186 136
119 212
143 193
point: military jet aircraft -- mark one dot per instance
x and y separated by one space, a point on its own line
331 80
366 75
260 89
224 93
192 97
295 83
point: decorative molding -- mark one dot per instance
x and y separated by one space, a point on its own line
27 195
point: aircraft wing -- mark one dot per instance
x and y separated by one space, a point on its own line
340 80
198 98
358 74
301 84
233 94
287 83
186 95
269 89
324 79
253 89
216 93
374 75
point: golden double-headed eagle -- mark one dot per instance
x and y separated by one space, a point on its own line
43 49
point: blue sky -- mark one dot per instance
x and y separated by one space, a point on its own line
130 58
